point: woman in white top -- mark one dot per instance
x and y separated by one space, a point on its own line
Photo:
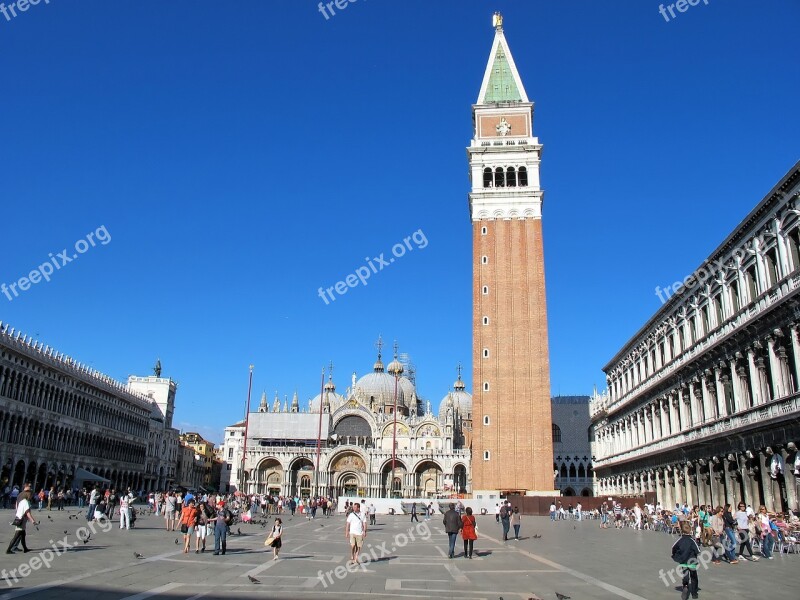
21 518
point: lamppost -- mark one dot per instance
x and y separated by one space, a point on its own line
243 471
395 369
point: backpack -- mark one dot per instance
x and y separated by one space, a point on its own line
227 516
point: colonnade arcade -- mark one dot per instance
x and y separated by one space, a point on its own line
759 476
18 471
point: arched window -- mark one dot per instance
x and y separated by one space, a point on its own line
563 471
752 282
556 434
523 177
487 177
793 240
771 264
581 472
511 177
572 472
499 178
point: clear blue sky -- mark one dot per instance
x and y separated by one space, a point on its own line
241 155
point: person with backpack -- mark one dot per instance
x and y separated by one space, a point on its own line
685 552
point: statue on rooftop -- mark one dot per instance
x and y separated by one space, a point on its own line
157 368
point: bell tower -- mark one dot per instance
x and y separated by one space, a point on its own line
512 448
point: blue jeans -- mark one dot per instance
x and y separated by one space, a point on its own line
552 515
506 525
220 537
730 546
452 540
90 512
516 531
767 544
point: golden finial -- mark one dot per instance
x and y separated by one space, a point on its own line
497 21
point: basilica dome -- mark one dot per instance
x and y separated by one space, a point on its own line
332 399
462 401
378 387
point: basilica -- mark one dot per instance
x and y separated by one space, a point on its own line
342 444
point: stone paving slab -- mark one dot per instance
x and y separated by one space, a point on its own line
407 560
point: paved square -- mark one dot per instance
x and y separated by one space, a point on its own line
408 560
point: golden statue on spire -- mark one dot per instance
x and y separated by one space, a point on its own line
497 21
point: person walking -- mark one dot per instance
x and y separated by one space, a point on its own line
221 522
372 512
497 512
452 525
469 528
201 527
516 522
170 508
21 518
94 498
189 517
274 538
355 530
685 552
414 513
730 532
552 513
124 510
742 523
505 521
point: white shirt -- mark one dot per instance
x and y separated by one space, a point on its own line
552 508
23 507
356 523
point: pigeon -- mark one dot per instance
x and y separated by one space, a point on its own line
87 540
176 541
65 532
49 517
253 579
562 596
137 555
534 597
537 536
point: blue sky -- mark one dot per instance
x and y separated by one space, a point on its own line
242 155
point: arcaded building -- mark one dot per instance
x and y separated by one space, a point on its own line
702 403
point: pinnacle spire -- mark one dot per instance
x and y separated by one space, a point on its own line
501 81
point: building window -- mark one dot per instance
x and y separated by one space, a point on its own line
511 177
483 230
484 260
794 247
523 177
485 419
752 285
485 320
485 290
487 177
230 453
485 353
229 466
499 178
486 455
556 434
771 264
485 386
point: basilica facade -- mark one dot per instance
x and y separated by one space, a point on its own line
276 450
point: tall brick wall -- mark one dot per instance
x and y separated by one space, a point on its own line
519 434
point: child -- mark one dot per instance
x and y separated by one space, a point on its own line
686 552
276 543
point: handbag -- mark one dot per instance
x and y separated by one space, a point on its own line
269 540
17 522
184 528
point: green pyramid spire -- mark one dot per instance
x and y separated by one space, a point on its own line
502 85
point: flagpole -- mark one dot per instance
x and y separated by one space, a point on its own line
246 426
319 431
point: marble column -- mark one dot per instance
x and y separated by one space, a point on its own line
774 368
766 482
755 378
